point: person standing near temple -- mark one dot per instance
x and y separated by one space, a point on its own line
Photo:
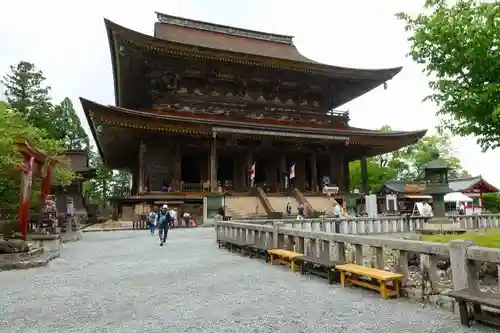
186 218
300 212
153 220
164 220
173 215
337 212
288 208
50 208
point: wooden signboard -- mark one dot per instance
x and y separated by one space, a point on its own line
414 188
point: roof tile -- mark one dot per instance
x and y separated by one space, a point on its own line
226 42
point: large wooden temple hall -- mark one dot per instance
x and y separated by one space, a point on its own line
198 104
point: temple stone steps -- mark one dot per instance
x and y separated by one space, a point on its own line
279 203
244 206
321 203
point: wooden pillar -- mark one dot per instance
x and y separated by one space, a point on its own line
332 169
205 171
343 188
249 163
135 181
364 175
347 175
314 172
271 180
283 168
237 167
300 171
142 167
243 173
213 164
177 168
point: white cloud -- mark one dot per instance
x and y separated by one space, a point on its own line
67 40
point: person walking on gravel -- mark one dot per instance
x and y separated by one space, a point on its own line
164 221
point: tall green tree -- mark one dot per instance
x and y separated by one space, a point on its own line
28 94
458 44
409 161
69 127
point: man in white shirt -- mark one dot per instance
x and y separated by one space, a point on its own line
173 214
186 217
336 210
427 209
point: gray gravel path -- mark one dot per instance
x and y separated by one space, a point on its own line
124 282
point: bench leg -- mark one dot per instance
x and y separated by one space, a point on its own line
464 315
383 289
342 279
477 308
330 276
397 286
302 267
293 266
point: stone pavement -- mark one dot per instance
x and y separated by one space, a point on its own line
125 282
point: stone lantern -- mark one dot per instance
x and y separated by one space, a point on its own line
436 184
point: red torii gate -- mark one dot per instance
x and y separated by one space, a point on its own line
35 164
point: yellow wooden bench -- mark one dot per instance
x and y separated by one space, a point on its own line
351 273
284 257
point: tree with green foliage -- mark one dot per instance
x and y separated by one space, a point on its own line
491 202
406 163
106 184
28 94
69 127
409 161
458 44
377 174
12 125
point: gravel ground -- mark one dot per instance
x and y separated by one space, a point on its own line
125 282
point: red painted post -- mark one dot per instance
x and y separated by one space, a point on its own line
46 182
35 164
24 197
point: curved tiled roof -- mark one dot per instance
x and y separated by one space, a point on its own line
227 42
457 185
239 49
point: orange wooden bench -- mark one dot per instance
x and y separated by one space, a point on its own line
387 283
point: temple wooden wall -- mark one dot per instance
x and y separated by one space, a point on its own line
159 166
163 165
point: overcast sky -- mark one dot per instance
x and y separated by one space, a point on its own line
67 40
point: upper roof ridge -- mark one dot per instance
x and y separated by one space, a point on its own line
224 29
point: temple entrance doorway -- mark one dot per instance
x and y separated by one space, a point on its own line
191 168
323 166
260 171
225 171
308 178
